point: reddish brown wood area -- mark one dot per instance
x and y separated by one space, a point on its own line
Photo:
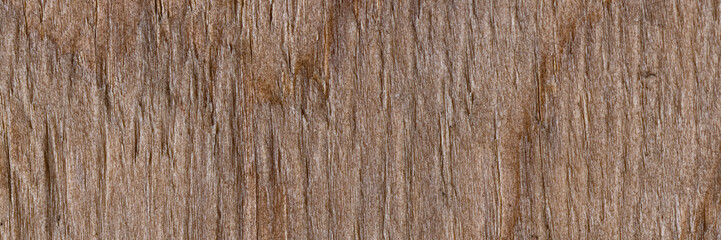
305 119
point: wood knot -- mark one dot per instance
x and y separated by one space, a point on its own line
647 74
308 72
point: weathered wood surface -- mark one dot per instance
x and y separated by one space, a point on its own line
360 119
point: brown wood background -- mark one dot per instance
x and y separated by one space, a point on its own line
360 119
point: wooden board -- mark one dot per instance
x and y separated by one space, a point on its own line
360 119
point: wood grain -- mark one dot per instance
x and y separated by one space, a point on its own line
510 119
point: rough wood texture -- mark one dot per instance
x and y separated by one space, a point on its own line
360 119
